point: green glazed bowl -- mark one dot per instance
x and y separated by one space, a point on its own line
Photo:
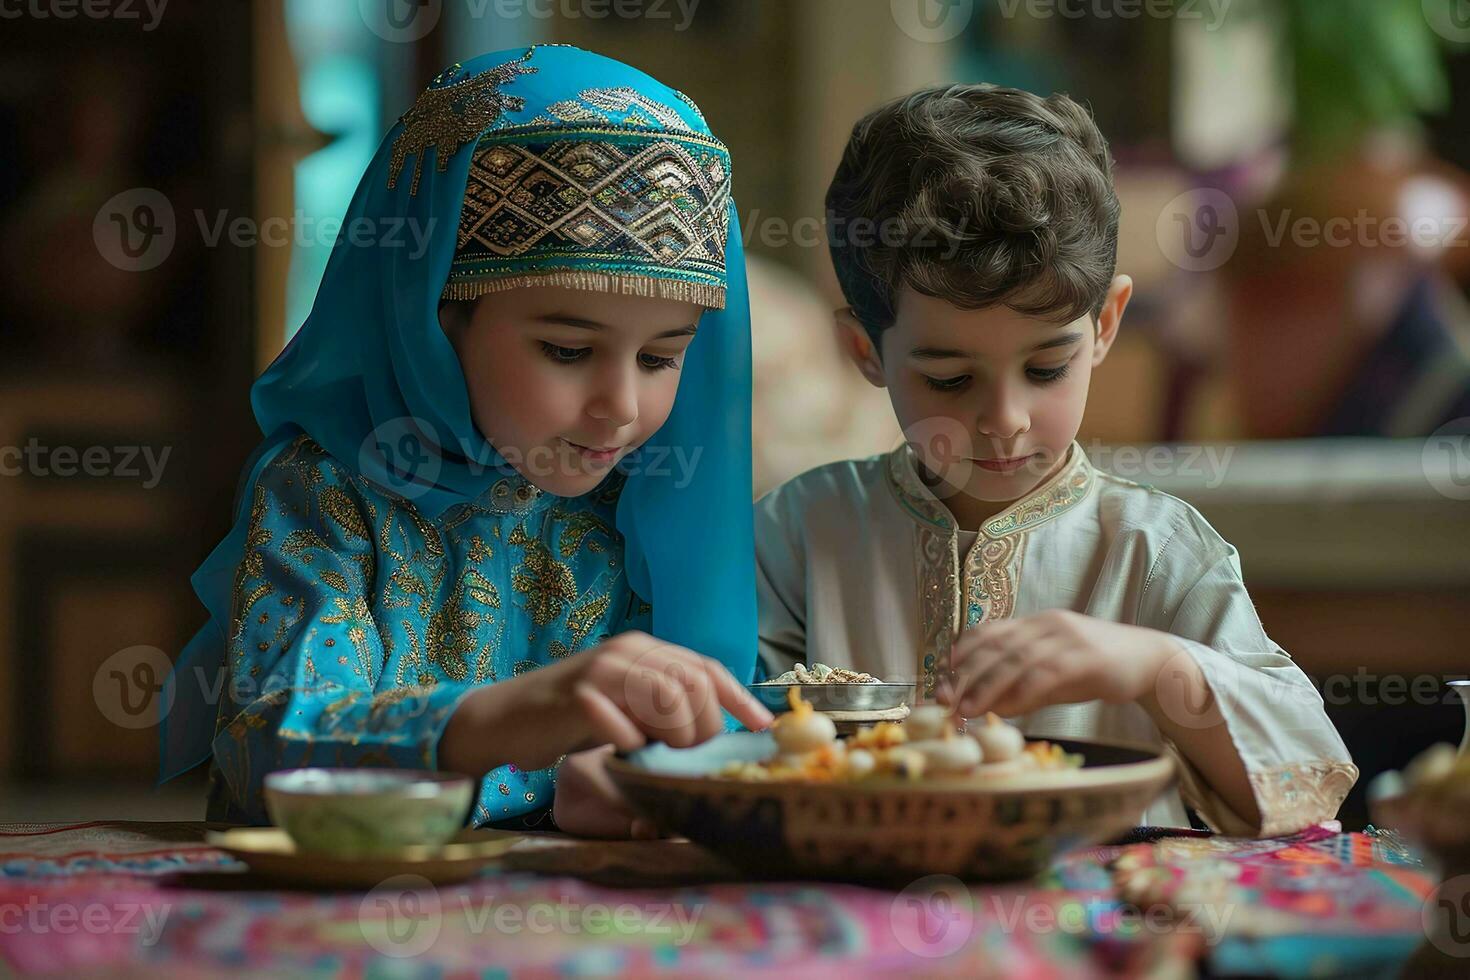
367 812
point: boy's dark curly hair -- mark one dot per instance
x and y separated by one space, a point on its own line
979 195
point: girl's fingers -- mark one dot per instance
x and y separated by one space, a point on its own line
608 721
734 698
658 699
590 804
701 690
636 678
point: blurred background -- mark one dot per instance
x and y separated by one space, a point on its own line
1295 183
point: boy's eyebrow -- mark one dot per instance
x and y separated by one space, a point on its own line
573 321
944 353
1062 341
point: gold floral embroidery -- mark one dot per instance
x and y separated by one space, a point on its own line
576 527
355 613
300 543
479 551
338 507
336 580
547 584
448 117
453 630
587 615
597 105
410 581
252 566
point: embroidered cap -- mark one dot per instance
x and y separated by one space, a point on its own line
610 191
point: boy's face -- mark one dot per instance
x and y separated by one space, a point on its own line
990 399
564 383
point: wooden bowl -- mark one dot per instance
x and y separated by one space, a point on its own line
890 830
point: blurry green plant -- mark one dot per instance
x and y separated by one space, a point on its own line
1360 64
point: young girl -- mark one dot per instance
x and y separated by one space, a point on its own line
491 466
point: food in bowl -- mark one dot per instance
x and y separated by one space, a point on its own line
925 745
821 674
888 829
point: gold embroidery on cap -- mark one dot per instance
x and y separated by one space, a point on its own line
449 117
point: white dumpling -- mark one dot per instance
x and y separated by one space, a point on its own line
998 741
805 731
860 763
925 722
947 755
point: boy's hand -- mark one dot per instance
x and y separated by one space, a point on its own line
1014 666
628 690
589 805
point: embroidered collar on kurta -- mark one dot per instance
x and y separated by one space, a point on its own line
1061 492
957 592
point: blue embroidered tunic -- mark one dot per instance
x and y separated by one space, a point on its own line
358 625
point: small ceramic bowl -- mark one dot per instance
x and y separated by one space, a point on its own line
367 812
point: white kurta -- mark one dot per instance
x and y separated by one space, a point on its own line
859 565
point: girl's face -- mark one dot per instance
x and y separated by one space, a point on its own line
564 383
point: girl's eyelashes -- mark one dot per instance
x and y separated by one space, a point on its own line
653 362
571 355
564 355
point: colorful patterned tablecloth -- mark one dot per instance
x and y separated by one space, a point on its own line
136 899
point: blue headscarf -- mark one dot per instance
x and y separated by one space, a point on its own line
631 196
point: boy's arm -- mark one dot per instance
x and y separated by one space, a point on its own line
1258 754
780 579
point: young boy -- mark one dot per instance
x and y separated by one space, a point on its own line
974 232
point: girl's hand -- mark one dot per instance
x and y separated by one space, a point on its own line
1015 666
628 690
589 805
